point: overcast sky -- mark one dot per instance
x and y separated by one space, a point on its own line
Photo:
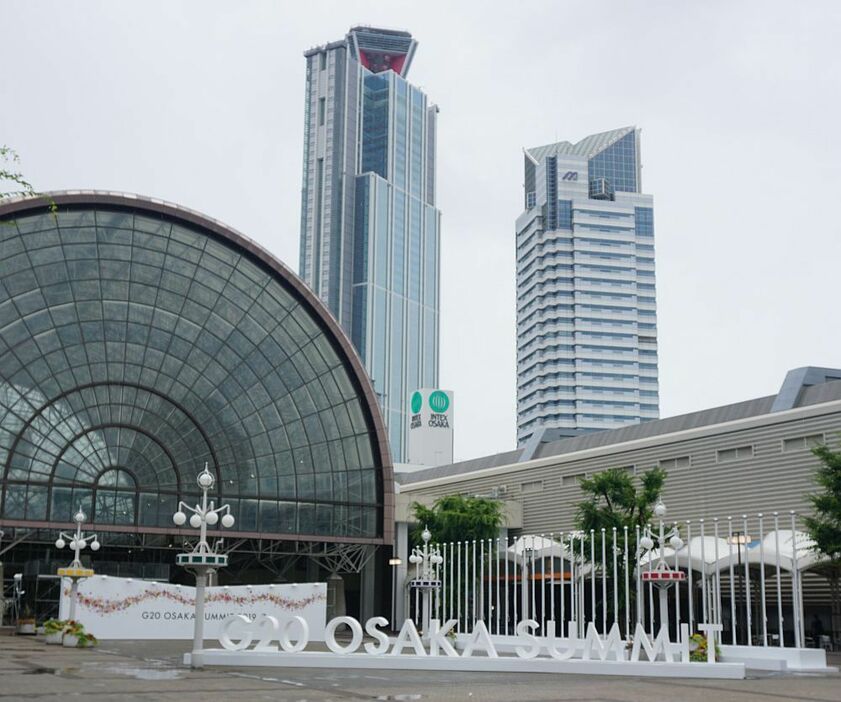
201 103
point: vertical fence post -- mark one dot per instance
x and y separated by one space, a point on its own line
473 585
451 595
542 585
498 586
637 568
650 591
749 617
614 581
507 593
436 593
781 640
704 595
689 585
796 602
563 583
762 580
604 584
719 635
573 583
552 574
592 576
457 593
581 594
732 587
627 585
482 580
515 602
677 584
532 573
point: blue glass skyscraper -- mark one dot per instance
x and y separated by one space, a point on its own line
369 224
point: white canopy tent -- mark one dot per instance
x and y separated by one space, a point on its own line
709 554
785 542
539 549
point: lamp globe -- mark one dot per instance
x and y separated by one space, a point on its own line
195 521
95 546
205 480
59 543
228 521
179 518
212 518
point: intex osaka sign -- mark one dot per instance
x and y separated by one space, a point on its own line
430 427
265 641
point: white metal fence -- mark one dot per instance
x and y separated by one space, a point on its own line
741 572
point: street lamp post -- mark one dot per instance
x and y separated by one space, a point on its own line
203 559
425 559
662 575
75 571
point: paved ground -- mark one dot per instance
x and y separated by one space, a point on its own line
151 670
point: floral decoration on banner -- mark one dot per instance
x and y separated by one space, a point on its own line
103 605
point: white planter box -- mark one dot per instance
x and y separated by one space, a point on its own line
70 641
27 628
54 639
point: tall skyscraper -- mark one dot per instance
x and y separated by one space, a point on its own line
586 311
369 225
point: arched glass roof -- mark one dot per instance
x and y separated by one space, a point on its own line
139 340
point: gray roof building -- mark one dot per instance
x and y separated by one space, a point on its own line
743 457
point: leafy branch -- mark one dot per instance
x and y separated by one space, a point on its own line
12 181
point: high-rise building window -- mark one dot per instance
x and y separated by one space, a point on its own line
321 110
564 214
644 217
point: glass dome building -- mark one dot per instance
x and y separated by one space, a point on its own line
140 340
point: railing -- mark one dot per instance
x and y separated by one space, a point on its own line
743 573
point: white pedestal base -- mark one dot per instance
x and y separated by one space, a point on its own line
503 664
776 658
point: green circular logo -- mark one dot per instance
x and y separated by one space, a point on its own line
417 402
439 402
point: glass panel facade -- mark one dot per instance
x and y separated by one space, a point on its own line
134 348
398 231
617 164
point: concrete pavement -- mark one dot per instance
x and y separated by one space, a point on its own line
151 670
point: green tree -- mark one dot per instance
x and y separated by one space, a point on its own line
824 525
471 521
458 518
612 500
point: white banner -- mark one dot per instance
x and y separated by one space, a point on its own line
125 608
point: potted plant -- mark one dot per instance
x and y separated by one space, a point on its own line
54 631
26 622
75 636
698 649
